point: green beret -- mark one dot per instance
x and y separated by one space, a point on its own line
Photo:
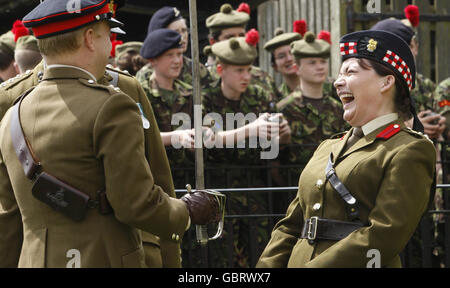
127 47
226 18
235 51
281 39
309 47
27 42
7 43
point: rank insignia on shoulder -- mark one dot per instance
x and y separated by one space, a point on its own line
390 131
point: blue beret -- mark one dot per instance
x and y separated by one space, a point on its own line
57 17
163 17
396 27
159 41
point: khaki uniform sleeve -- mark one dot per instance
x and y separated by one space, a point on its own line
130 188
11 236
401 201
284 237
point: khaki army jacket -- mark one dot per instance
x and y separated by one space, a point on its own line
390 179
89 136
154 149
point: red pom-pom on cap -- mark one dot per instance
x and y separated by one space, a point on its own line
19 30
300 27
114 44
324 35
252 37
244 7
412 13
16 25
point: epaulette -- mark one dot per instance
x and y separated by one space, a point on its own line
114 69
390 131
11 82
417 134
340 135
93 84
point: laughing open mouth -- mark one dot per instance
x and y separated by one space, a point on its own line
346 98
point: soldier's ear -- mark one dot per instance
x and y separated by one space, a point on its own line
88 38
387 83
219 68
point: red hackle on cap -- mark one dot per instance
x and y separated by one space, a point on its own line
19 30
252 37
324 35
412 13
114 44
300 27
244 7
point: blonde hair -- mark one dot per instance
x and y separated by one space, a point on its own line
64 43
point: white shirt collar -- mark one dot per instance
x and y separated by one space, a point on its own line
70 66
378 122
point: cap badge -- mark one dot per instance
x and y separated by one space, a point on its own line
111 6
176 12
372 46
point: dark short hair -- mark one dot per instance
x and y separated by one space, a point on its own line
5 60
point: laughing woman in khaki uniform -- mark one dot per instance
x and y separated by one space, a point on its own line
368 189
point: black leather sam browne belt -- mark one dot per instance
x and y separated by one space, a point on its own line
329 229
47 188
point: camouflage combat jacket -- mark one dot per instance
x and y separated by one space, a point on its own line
185 75
423 94
443 96
284 90
259 77
311 122
165 104
254 100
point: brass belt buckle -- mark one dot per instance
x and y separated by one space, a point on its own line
312 229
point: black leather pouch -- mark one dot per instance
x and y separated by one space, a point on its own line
60 196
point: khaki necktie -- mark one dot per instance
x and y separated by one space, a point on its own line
356 135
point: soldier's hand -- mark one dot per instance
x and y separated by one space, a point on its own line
285 132
433 123
265 129
185 138
203 207
208 137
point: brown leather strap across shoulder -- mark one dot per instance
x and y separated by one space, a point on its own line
29 161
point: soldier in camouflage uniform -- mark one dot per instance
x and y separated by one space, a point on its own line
170 96
230 23
234 64
313 114
283 61
442 94
170 18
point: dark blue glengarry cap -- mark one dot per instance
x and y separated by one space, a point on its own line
159 41
396 27
163 17
53 17
387 49
382 47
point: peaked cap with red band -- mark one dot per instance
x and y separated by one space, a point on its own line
54 17
387 49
